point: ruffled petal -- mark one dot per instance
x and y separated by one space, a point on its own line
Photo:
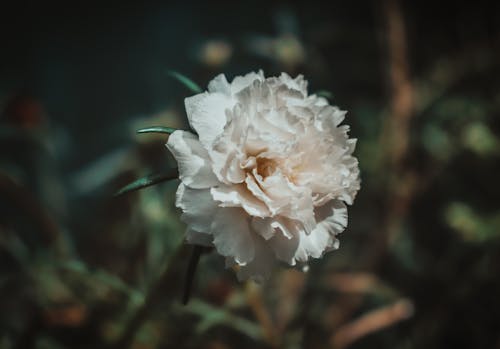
226 167
285 243
219 84
262 265
332 220
232 236
206 113
198 207
196 238
241 82
329 118
262 227
269 177
332 217
192 159
298 83
239 196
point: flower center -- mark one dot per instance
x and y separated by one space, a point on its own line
266 167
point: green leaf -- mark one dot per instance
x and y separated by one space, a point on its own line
190 84
211 316
147 182
157 129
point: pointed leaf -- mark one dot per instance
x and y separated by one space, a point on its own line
190 84
157 129
148 181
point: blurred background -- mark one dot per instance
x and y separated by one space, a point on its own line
419 263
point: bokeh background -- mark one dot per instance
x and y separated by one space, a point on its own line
419 264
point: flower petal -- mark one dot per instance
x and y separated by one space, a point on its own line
332 220
262 227
198 207
241 82
332 217
329 118
192 159
239 196
270 174
232 236
219 84
260 268
196 238
286 243
206 113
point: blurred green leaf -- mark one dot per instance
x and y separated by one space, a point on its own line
324 93
190 84
473 226
212 316
103 277
147 181
437 141
479 138
459 108
45 343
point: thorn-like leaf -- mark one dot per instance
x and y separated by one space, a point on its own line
147 182
190 84
157 129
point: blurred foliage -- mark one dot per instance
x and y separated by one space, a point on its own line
419 262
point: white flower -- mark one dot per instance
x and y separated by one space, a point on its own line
268 173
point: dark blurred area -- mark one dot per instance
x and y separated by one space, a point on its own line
419 263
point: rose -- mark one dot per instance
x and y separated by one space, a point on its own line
268 173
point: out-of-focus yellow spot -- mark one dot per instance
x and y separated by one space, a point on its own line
289 51
215 53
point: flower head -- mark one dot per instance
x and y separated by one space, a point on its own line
268 174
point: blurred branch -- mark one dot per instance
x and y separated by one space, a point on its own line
408 98
350 282
359 283
261 312
372 322
290 286
353 288
396 128
395 135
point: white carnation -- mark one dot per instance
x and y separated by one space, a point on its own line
268 173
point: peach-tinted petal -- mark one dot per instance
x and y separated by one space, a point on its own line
268 175
239 196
